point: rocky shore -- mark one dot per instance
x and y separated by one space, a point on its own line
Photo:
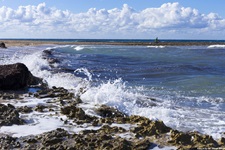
10 43
108 129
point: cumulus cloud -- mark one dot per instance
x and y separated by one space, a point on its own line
167 20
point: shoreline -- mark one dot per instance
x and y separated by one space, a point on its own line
10 43
70 122
72 128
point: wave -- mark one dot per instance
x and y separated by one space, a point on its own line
40 67
160 46
79 48
217 46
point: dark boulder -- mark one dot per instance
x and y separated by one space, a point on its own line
16 76
2 45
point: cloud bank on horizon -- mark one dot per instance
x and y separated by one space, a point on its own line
170 20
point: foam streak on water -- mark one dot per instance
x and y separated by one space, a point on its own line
183 86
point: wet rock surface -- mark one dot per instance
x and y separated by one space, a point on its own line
9 115
61 139
106 111
108 127
16 76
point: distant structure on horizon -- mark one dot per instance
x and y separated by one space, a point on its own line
157 40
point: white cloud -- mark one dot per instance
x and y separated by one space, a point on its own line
171 20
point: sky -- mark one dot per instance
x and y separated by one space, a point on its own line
113 19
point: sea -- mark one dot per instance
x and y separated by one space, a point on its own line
184 86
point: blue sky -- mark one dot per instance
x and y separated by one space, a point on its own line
205 6
181 19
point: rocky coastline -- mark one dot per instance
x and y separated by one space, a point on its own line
107 129
10 43
107 133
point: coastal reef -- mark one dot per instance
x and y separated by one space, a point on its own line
108 128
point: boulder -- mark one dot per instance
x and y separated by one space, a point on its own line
16 76
2 45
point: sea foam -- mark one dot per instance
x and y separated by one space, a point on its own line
160 46
217 46
79 48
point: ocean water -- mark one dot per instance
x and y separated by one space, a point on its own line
181 85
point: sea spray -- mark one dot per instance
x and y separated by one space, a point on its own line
85 72
79 48
113 93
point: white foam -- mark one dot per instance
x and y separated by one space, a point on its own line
79 48
85 72
38 124
65 80
159 46
217 46
41 68
113 93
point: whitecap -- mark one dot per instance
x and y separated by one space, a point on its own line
217 46
160 46
79 48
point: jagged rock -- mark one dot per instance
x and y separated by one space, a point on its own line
2 45
106 111
61 93
16 76
7 96
8 142
222 141
139 119
61 139
47 52
107 129
180 138
9 115
53 137
24 109
150 128
203 140
76 113
40 108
